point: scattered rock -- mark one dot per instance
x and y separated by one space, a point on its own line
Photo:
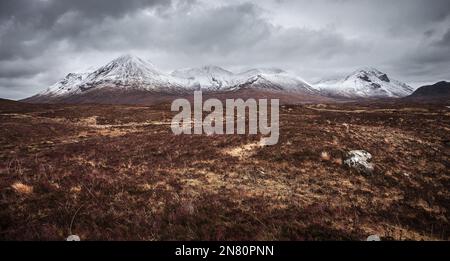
359 160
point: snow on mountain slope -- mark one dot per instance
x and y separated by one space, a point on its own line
129 74
65 86
132 71
213 78
364 83
273 78
207 77
124 72
261 71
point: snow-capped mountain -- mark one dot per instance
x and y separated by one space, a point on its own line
213 78
272 78
206 78
130 73
125 72
129 79
364 83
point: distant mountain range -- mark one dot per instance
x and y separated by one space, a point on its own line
131 80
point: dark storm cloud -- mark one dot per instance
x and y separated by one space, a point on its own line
44 13
41 40
28 20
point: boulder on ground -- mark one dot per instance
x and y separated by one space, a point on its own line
359 160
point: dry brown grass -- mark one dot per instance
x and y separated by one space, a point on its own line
125 176
325 156
22 188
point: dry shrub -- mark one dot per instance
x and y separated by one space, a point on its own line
21 188
337 161
75 189
147 184
325 156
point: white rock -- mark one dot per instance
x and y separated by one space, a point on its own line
374 238
73 238
359 160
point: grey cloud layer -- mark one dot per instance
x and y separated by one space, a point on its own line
41 40
29 25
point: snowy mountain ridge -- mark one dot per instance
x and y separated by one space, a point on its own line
366 82
129 72
124 72
207 77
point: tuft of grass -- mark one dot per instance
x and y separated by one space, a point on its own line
325 156
21 188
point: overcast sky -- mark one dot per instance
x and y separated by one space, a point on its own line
43 40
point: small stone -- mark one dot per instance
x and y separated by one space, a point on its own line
374 238
73 238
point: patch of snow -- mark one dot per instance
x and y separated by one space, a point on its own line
66 85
